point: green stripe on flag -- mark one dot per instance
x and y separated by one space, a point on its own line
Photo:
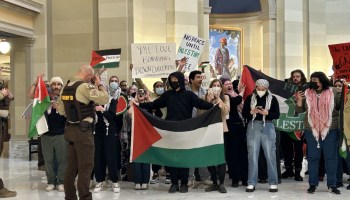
107 65
188 158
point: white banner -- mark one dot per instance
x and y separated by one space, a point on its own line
191 47
153 60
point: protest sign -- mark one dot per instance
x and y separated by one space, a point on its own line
191 47
341 60
153 60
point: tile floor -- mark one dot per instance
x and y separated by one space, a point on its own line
22 176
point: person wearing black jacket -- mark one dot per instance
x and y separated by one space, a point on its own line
260 108
179 103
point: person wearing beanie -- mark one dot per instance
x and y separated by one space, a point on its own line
54 146
259 109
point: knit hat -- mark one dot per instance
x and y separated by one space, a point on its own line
56 79
262 82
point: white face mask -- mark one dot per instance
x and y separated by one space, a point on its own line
216 90
261 93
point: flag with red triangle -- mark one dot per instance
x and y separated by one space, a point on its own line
196 142
38 123
108 58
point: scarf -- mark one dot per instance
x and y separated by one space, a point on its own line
253 103
320 108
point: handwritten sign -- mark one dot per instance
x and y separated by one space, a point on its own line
191 47
341 60
153 60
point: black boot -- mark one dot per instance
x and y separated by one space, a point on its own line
297 176
288 173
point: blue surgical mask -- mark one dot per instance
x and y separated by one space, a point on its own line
113 86
159 91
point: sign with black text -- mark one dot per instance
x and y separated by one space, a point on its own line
341 60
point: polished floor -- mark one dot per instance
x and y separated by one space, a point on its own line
21 175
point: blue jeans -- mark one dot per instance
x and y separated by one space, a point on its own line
142 173
265 136
330 151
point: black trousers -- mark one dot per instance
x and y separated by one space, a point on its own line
262 169
213 173
107 154
177 174
236 153
292 152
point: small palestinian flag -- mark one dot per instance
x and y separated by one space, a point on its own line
108 58
196 142
289 121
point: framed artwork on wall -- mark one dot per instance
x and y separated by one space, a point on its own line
225 51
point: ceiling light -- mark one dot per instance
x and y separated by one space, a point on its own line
4 46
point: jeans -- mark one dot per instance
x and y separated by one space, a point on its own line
330 150
258 135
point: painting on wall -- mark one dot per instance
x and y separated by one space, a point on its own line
225 51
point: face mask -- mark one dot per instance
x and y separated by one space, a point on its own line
216 90
174 84
261 93
313 85
113 86
159 91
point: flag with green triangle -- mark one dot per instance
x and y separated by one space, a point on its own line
38 124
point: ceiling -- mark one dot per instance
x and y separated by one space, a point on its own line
234 6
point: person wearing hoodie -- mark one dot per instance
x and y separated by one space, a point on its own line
179 103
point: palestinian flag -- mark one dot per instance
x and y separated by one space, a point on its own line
284 92
196 142
38 124
108 58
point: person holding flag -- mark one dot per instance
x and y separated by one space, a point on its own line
322 104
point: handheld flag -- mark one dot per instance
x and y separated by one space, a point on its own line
195 142
38 123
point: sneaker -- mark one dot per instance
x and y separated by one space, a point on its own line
333 190
50 187
116 187
60 188
173 188
184 188
137 186
211 188
235 185
98 187
4 193
288 174
297 177
312 189
250 188
144 186
155 179
273 188
167 179
222 189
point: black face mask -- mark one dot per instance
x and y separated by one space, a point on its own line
174 84
313 85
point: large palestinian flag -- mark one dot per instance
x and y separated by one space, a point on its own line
196 142
284 92
108 58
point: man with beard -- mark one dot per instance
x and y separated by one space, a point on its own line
124 86
54 146
179 103
293 149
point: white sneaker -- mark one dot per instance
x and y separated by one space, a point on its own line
50 187
273 188
137 186
144 186
60 188
116 187
98 187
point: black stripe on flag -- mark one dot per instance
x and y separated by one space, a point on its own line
211 116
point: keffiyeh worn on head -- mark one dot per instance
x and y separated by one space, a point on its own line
253 102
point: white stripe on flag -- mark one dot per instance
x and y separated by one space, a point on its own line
41 125
202 137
